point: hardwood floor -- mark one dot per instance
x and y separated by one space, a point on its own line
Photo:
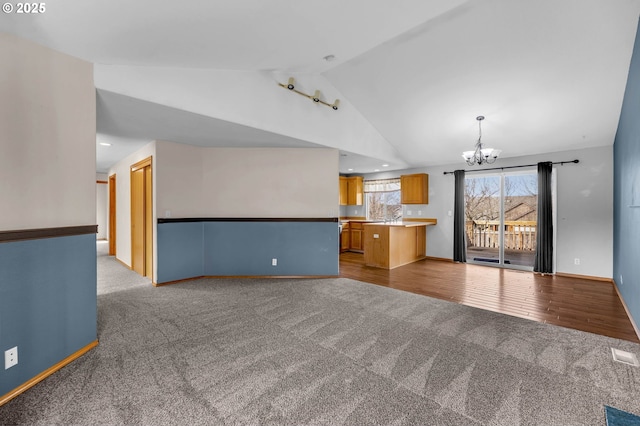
587 305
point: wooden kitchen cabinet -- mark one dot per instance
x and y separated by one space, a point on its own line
351 191
391 245
355 190
414 188
345 237
355 236
343 200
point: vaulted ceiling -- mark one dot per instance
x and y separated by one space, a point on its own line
411 75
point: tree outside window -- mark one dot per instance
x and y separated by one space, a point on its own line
383 199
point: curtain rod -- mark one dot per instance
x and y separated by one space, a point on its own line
513 167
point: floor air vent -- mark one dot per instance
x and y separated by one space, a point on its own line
625 357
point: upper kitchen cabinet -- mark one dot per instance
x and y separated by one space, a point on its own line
355 190
415 188
343 191
351 191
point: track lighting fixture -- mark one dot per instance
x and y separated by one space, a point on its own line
315 97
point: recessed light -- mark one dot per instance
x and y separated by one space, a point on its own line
376 170
105 144
349 170
385 165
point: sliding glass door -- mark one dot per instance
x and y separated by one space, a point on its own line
500 219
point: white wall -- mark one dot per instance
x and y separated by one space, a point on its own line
47 156
584 209
256 100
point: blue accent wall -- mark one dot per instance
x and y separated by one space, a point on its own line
180 251
48 303
219 248
626 160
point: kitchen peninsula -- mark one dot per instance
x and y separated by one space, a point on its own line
392 244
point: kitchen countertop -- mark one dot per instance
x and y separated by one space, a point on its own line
404 224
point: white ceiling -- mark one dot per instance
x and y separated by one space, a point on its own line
548 75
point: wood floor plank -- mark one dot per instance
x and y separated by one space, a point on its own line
582 304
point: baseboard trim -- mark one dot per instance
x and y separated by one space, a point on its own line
123 264
46 373
624 305
245 277
440 259
584 277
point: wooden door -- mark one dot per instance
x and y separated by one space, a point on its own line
142 218
148 223
112 215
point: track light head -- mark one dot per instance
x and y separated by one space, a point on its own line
290 85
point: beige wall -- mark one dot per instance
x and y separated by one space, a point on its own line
270 182
180 178
246 182
47 138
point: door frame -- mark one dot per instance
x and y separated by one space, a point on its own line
147 224
502 175
112 215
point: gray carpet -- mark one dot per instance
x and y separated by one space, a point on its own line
322 351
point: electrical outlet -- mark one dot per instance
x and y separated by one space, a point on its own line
408 212
10 357
274 262
576 261
419 212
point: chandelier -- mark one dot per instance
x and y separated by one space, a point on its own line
480 155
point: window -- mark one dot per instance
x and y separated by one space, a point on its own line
501 212
383 199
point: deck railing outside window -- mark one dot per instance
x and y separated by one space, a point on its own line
518 235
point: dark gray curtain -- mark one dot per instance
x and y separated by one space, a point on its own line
459 238
544 236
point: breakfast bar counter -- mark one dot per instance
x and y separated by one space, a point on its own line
392 244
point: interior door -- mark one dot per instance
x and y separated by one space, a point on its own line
142 218
112 215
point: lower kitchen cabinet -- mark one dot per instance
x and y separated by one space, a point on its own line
345 237
355 240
